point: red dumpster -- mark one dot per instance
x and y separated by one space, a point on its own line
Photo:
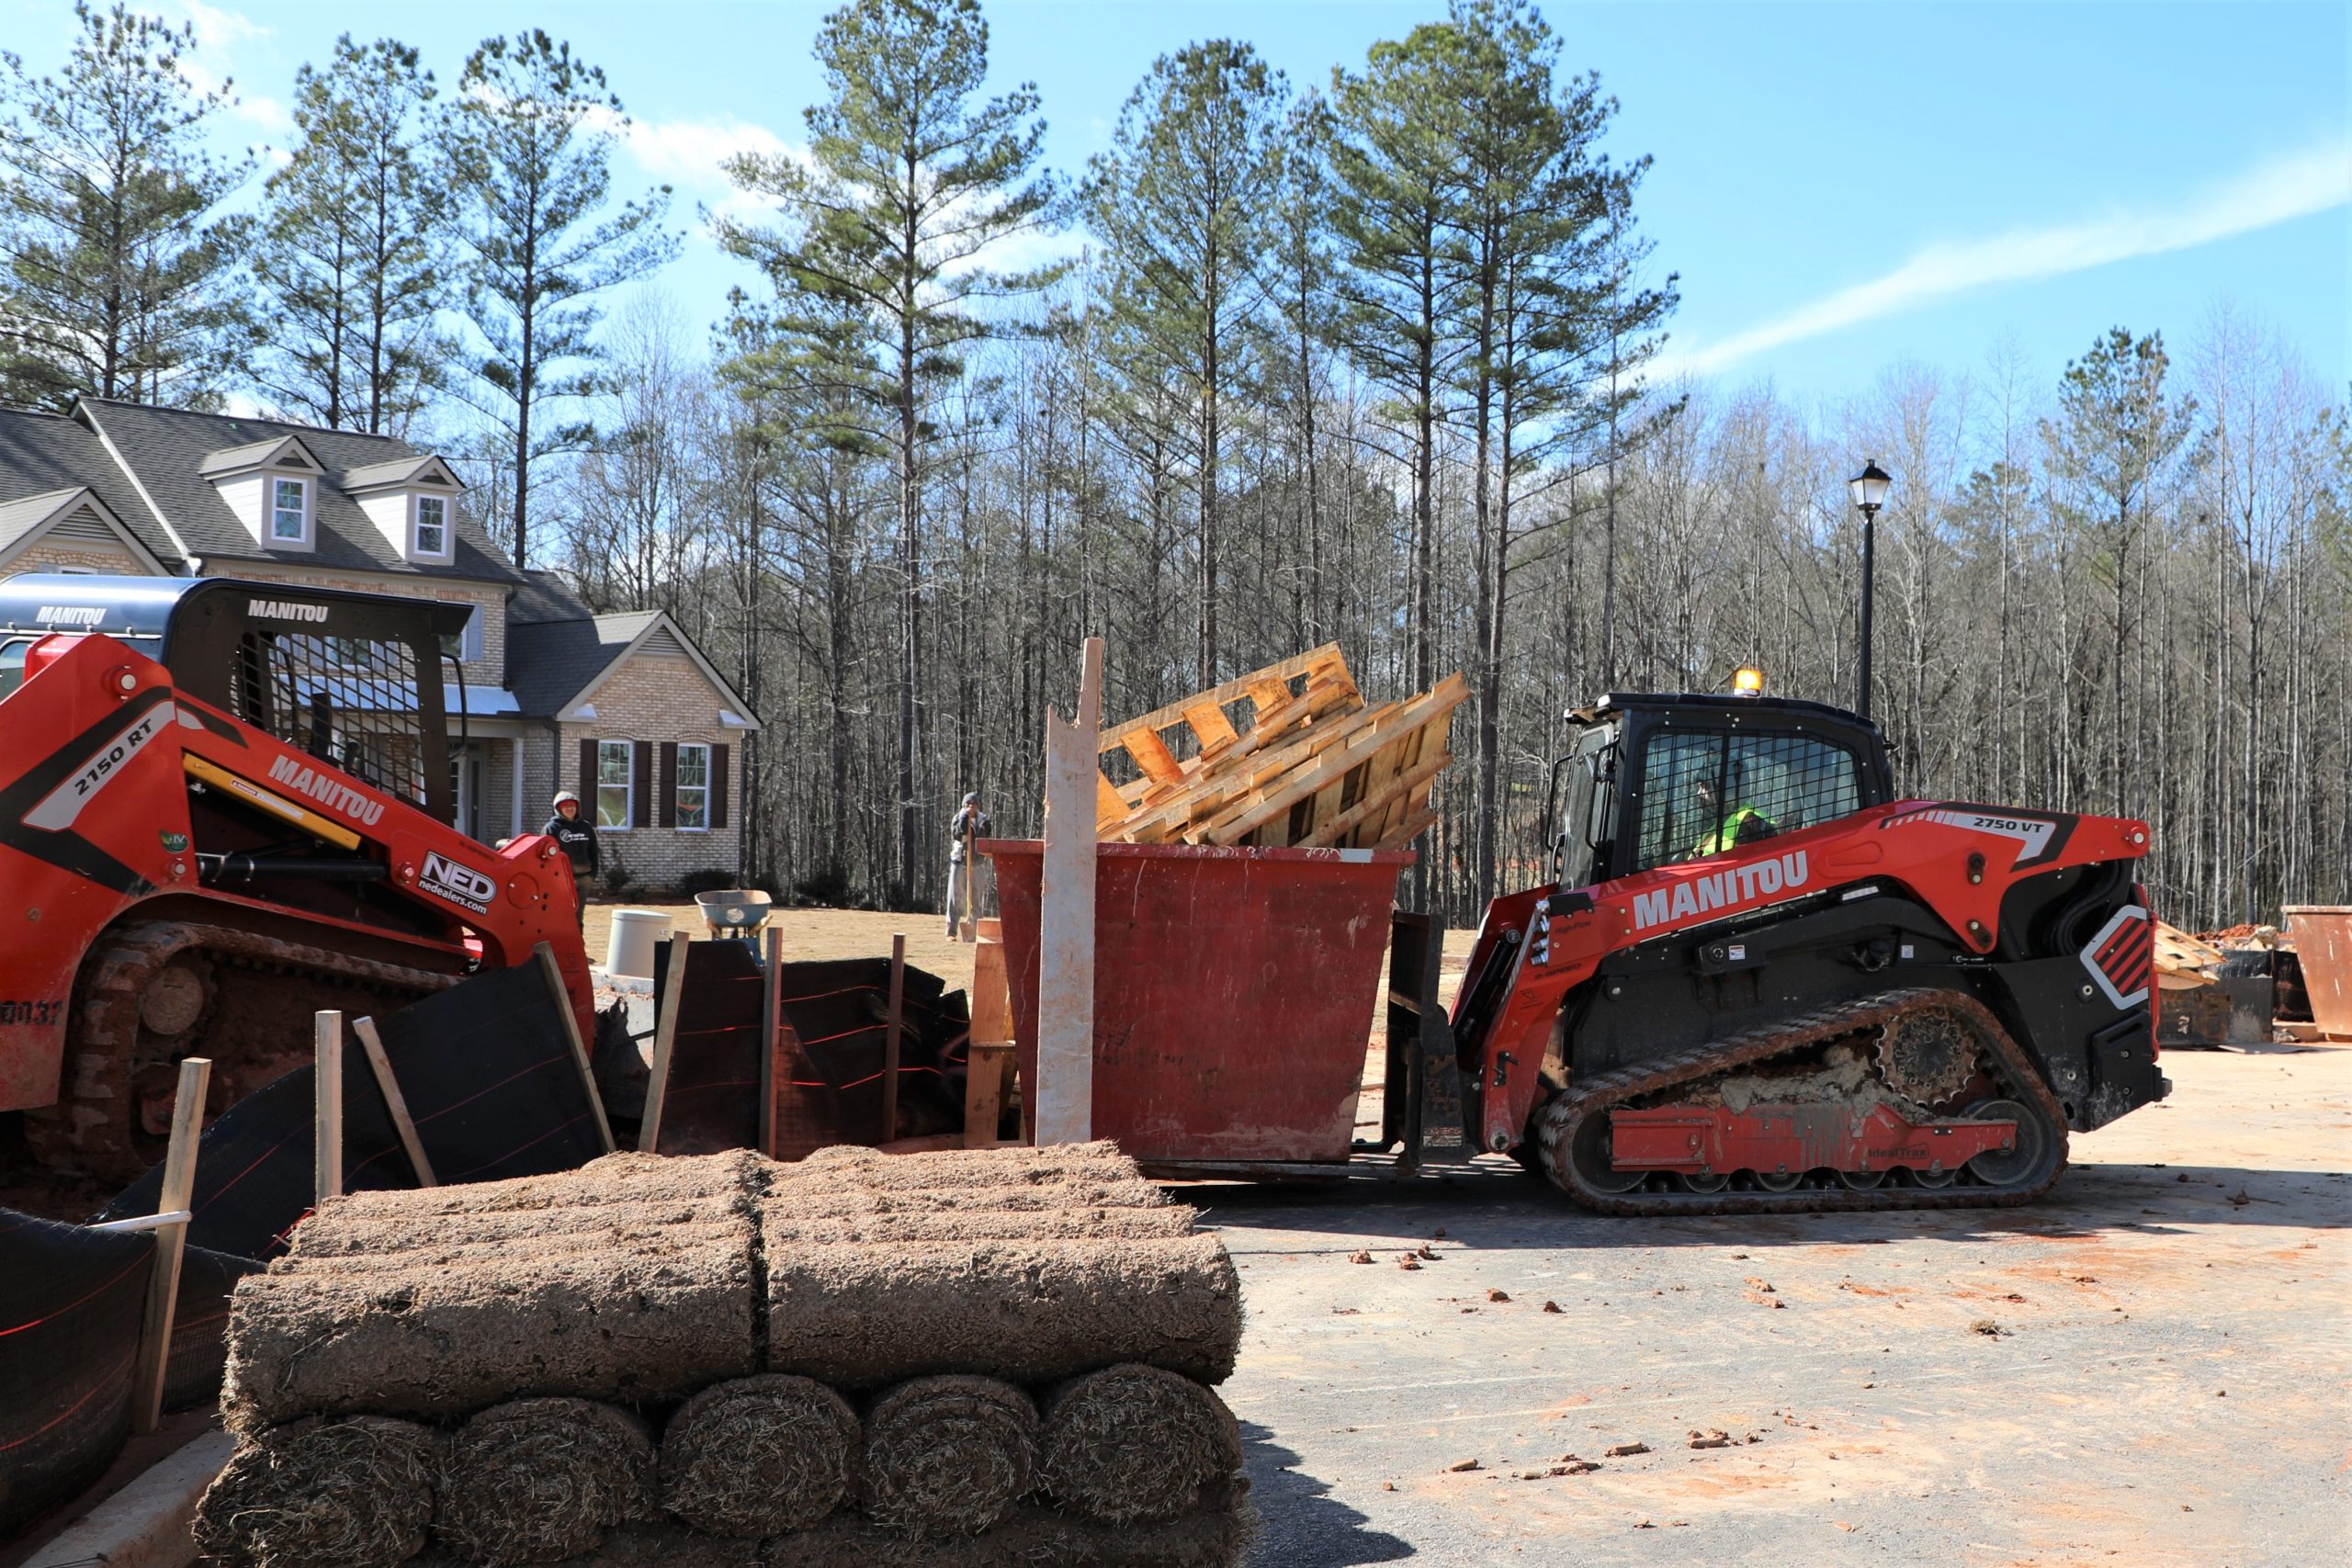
1233 992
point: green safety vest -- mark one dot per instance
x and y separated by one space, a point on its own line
1744 823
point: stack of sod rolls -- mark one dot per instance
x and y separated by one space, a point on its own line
955 1358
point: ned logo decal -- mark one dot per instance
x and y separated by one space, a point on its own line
460 884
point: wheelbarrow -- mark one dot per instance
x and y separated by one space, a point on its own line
739 912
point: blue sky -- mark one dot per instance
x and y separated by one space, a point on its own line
1840 186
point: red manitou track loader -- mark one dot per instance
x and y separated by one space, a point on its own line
1757 983
224 806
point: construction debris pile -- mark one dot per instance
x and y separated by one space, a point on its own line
960 1358
1315 768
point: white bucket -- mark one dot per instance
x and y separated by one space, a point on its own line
630 950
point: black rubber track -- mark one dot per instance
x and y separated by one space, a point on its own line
1556 1123
89 1127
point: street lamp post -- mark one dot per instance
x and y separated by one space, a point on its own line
1868 489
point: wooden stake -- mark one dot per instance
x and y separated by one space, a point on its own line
171 1245
562 995
394 1101
890 1036
970 928
1065 1086
666 1038
771 1015
984 1073
327 1124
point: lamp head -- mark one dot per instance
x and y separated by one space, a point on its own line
1869 487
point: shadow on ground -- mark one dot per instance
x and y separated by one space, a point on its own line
1502 1208
1305 1525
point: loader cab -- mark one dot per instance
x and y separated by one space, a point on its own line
1653 779
354 679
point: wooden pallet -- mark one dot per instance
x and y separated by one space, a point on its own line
1290 755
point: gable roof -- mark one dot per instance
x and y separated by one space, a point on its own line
557 653
420 469
167 450
67 514
45 454
550 663
279 451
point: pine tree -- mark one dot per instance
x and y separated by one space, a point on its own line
117 272
1395 162
1180 203
527 145
2114 440
910 184
353 261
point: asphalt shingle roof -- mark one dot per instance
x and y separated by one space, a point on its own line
44 453
549 663
167 448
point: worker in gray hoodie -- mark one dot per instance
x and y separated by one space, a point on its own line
968 823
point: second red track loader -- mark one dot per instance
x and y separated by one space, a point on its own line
1760 983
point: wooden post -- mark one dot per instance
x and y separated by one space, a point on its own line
394 1101
666 1038
562 995
771 1015
326 1123
970 928
171 1245
991 1052
1065 1086
890 1037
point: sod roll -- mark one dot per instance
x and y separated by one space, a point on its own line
592 1236
1033 1311
621 1178
844 1193
349 1492
658 1320
953 1168
760 1456
540 1480
783 1224
337 1233
947 1457
1135 1442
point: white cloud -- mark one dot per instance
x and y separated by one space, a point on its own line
2314 180
209 66
691 154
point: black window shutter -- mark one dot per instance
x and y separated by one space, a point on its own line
718 787
669 784
586 789
642 794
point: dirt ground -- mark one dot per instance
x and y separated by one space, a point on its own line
2146 1370
821 933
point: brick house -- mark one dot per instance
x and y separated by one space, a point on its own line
621 708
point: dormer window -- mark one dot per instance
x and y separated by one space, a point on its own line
412 500
432 526
289 510
272 486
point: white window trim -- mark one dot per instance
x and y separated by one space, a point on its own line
678 791
627 788
416 526
270 508
470 641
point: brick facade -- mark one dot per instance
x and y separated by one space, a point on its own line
77 555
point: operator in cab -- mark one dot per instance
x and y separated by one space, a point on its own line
1742 823
579 841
